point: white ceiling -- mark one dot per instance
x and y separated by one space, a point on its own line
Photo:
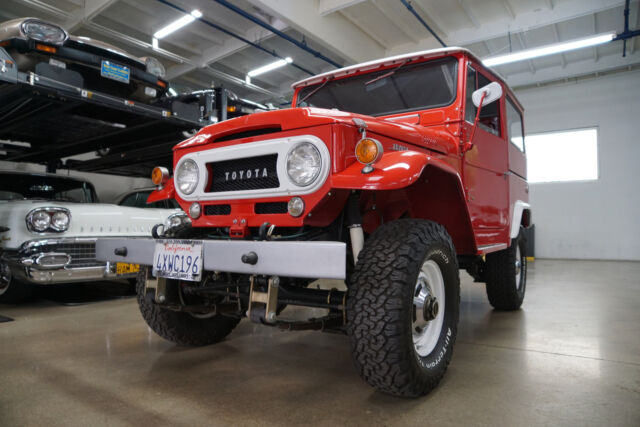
345 31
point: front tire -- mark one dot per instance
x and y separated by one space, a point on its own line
506 275
179 327
403 307
11 290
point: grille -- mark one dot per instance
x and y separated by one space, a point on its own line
217 210
251 173
271 208
82 254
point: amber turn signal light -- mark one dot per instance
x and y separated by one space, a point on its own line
368 151
45 48
159 175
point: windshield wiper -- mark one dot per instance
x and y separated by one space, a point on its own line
315 90
387 74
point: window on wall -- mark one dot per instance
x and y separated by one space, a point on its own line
563 156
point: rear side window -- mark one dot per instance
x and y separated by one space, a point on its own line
514 125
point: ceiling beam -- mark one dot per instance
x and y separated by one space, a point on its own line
637 26
216 53
326 7
556 36
523 43
525 21
573 70
333 32
364 28
89 10
507 6
594 23
467 11
398 23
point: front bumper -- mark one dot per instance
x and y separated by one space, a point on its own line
81 264
316 260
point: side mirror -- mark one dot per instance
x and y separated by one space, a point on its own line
492 92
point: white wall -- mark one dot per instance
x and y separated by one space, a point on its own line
107 186
595 219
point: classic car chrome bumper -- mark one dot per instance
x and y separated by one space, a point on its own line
326 260
65 260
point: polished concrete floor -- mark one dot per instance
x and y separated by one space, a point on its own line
571 356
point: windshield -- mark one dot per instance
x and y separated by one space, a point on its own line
23 186
408 87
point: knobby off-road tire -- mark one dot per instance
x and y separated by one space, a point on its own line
396 263
506 275
11 290
178 327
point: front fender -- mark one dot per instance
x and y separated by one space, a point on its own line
167 192
397 169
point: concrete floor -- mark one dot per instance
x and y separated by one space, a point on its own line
571 356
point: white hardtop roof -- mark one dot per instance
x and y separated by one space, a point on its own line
386 61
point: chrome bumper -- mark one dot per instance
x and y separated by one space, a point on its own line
317 260
77 262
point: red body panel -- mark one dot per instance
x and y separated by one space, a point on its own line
423 173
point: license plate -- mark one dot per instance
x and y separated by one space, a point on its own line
115 72
178 259
124 268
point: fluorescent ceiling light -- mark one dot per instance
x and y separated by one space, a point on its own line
548 50
269 67
177 24
154 43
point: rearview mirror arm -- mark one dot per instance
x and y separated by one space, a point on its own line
469 144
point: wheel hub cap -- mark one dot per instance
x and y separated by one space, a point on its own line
5 277
428 308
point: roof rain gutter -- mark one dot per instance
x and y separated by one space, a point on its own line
236 36
411 9
277 32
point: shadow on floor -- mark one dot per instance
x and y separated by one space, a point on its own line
85 293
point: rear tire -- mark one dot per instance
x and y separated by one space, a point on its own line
403 268
506 275
182 328
11 290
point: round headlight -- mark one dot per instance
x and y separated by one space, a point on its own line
44 32
304 164
40 221
186 176
155 67
60 221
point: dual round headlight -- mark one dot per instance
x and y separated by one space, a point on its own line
186 177
304 164
48 219
44 32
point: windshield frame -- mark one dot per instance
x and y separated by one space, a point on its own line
89 191
390 68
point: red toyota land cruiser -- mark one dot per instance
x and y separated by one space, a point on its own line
391 175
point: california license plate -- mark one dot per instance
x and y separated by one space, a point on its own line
115 72
124 268
178 259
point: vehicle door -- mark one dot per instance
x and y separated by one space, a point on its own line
485 164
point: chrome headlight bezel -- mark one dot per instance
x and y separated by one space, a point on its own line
179 176
50 226
27 25
305 182
155 67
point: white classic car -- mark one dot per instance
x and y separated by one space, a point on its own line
48 228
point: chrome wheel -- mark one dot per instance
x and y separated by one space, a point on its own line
5 277
428 308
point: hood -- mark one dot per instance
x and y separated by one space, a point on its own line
87 220
298 118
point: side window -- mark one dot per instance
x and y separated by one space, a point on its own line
470 109
490 114
514 121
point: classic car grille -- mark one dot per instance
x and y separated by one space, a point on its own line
217 210
271 208
82 254
251 173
